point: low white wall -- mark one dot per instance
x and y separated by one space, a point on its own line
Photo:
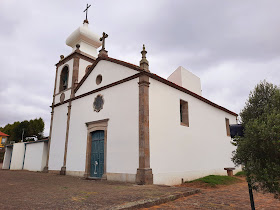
7 158
18 156
35 156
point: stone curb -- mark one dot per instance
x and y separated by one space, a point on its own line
155 201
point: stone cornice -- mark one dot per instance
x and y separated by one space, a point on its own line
151 75
101 88
76 53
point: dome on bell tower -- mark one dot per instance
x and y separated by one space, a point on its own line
88 40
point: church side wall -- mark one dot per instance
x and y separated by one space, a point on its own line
121 104
179 151
56 152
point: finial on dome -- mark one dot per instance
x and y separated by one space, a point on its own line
86 10
144 63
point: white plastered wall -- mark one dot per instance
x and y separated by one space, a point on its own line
121 104
70 66
83 64
58 137
67 94
18 156
86 48
35 156
110 72
178 151
7 157
186 79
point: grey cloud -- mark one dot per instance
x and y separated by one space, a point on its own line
230 45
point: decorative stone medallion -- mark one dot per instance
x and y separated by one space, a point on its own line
62 97
98 103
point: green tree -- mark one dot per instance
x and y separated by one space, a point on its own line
31 128
259 150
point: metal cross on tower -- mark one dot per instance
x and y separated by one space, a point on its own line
86 10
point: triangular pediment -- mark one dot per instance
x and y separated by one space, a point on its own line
105 71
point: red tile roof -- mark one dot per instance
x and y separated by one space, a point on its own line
3 134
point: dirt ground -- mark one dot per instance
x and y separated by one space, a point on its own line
234 196
34 190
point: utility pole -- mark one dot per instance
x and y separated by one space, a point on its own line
22 135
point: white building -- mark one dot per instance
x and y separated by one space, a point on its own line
118 121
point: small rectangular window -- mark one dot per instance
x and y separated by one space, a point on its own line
184 113
3 140
227 127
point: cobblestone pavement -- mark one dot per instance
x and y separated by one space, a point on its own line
32 190
227 197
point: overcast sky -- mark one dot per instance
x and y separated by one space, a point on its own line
230 45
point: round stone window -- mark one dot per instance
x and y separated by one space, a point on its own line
62 97
98 79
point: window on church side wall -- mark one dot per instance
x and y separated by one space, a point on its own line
64 78
227 127
184 113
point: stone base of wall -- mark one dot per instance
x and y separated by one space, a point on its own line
54 171
144 176
121 177
75 173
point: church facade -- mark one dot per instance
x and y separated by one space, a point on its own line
117 121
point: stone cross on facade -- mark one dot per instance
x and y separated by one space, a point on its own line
104 36
103 52
86 10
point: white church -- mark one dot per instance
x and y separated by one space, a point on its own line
117 121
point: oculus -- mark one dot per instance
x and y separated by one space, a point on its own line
98 103
98 79
62 97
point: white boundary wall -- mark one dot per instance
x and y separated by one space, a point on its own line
7 158
18 156
35 156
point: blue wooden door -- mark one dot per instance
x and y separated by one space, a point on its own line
97 154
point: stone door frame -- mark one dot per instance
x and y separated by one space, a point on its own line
91 127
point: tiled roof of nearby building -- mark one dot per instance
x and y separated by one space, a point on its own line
3 134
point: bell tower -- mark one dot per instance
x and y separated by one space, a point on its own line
69 72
